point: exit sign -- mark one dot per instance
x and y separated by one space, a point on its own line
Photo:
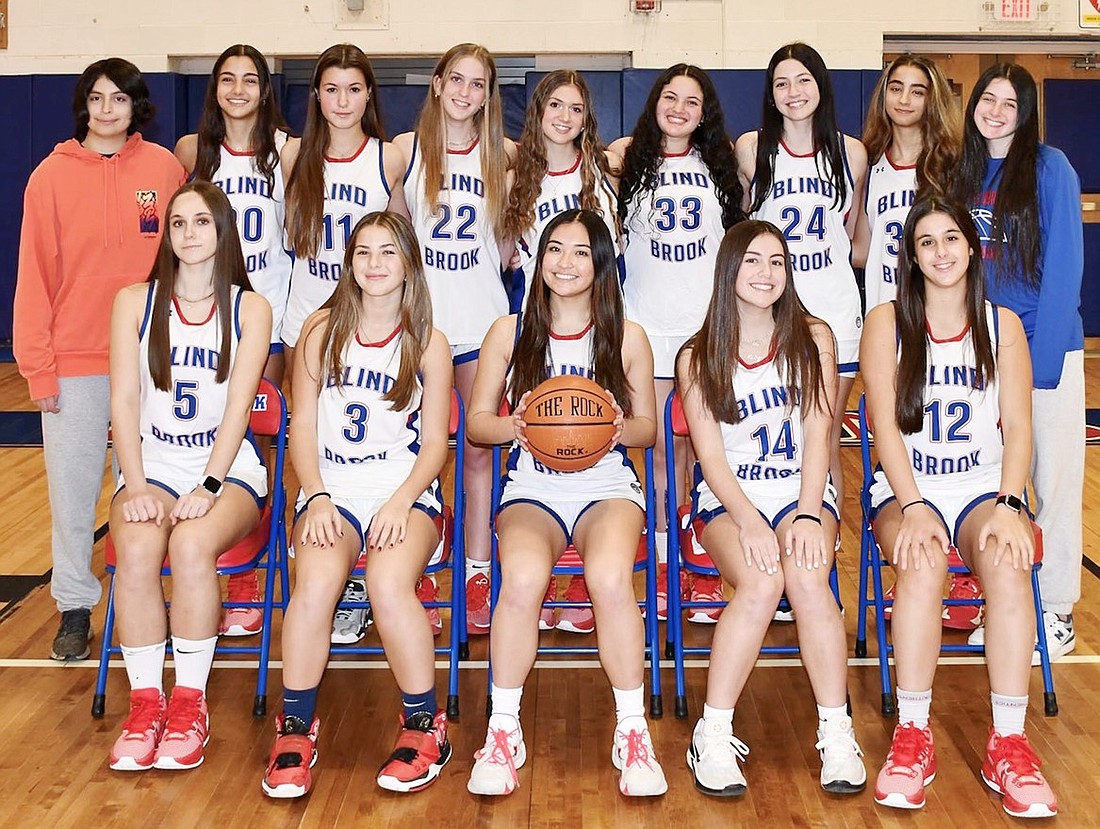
1012 10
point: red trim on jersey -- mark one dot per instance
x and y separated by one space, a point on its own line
792 153
351 157
185 321
572 169
576 336
381 343
684 154
955 339
890 161
231 151
764 360
466 151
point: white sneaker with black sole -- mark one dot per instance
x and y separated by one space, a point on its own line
1060 637
714 758
842 770
350 624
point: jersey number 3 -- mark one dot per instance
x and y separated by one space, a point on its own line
357 415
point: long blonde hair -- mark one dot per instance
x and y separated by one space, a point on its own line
431 131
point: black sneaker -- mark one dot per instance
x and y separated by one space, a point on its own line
71 641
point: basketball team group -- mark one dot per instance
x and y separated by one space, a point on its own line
377 278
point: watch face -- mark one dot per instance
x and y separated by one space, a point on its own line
212 485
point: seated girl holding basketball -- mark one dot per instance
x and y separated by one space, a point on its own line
948 384
372 382
758 383
573 324
187 351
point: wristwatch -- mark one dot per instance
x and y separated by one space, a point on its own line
1010 501
214 486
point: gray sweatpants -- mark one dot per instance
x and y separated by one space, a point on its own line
75 444
1058 475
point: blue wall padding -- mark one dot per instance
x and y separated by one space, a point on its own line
15 148
607 100
1072 110
1090 285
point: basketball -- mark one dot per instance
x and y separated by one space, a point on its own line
570 423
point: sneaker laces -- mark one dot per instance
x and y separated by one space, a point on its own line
498 749
350 594
144 714
723 747
426 590
837 739
74 621
1023 763
638 749
477 591
243 588
576 591
964 587
907 750
708 588
181 716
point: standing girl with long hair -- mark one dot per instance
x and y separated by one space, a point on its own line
562 165
340 170
948 384
1025 199
758 384
456 190
678 195
573 324
802 174
241 132
187 352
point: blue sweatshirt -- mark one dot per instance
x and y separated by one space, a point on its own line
1051 310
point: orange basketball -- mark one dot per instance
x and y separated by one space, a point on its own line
570 423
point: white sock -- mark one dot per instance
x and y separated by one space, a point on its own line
506 700
660 542
193 658
722 715
1009 714
913 707
629 703
474 567
145 666
825 713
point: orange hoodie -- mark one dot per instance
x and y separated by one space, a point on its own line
91 225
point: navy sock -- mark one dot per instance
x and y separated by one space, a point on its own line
419 703
300 704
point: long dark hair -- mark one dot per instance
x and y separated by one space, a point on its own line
911 318
212 121
305 190
1015 238
128 79
828 141
714 348
645 154
530 354
229 270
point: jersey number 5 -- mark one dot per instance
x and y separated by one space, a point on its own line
185 401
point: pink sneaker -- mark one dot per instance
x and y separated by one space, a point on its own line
242 621
963 616
186 730
1011 769
910 766
548 615
706 589
428 591
576 619
136 746
477 604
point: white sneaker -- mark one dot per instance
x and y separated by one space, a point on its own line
632 754
1060 637
495 763
713 758
350 624
842 771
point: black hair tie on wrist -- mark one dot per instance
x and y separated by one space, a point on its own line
913 504
816 519
314 496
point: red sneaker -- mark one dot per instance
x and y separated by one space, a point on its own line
548 615
963 617
428 591
576 619
242 621
662 591
889 596
706 589
910 766
477 604
292 756
136 747
186 730
1011 769
421 752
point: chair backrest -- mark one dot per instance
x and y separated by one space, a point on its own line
454 425
268 410
679 420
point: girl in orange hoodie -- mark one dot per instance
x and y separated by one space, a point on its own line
93 213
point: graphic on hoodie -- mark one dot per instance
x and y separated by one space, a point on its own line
148 220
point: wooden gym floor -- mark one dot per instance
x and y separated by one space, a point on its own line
55 770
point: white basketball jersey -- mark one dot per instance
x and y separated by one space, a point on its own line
365 448
891 191
561 192
671 237
459 246
569 355
259 209
178 427
354 187
801 205
962 431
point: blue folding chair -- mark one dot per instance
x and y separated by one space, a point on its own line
683 555
871 564
570 564
453 559
265 547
